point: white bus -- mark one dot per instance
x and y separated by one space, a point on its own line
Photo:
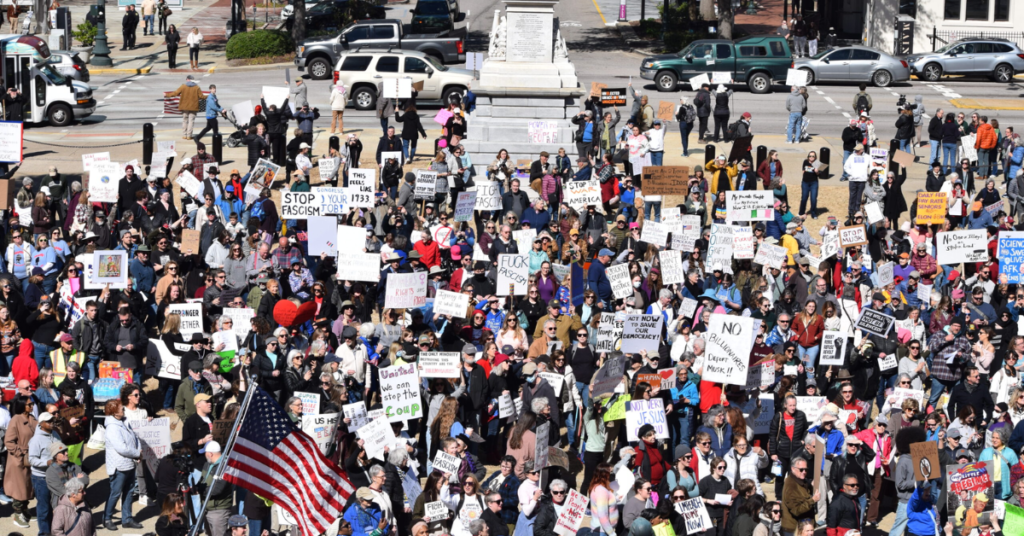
51 97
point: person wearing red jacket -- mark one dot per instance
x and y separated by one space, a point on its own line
809 328
878 439
24 366
430 253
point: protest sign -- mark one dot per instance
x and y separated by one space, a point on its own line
609 331
743 242
688 308
613 96
642 332
968 246
719 248
666 110
555 380
641 412
618 275
506 408
967 149
651 379
513 272
761 420
573 510
1011 255
579 194
994 208
874 212
440 364
376 435
406 291
653 233
361 185
323 236
829 244
103 182
275 95
595 89
931 207
189 183
310 402
487 196
327 169
361 267
540 455
728 349
299 205
110 267
609 376
879 160
796 77
155 437
833 348
240 320
356 414
688 233
885 273
671 267
436 511
400 392
900 394
964 481
221 430
695 514
876 322
812 406
322 429
926 460
854 235
524 239
88 160
769 255
697 81
451 303
464 206
191 317
749 205
542 132
426 182
161 362
1013 519
446 463
190 241
666 180
351 239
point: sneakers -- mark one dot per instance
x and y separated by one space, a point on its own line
20 520
143 500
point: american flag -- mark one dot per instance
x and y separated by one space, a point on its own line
274 459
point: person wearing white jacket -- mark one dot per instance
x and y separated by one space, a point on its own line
743 461
123 449
656 148
338 101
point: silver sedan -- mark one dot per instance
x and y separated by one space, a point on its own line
854 64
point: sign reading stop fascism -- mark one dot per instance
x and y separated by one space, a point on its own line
299 205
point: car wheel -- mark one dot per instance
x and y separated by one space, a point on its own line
810 74
882 78
666 81
60 115
364 98
320 69
932 72
759 83
1003 73
446 97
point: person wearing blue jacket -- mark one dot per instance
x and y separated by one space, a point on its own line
142 271
685 403
45 257
922 518
775 227
213 108
834 439
229 203
366 518
597 279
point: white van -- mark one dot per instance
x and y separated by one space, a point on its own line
52 97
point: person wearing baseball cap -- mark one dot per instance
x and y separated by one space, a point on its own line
597 277
60 471
221 493
196 430
563 323
195 383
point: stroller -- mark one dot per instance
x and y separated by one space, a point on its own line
804 134
235 139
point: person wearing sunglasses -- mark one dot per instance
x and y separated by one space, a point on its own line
847 504
798 496
496 525
549 506
713 490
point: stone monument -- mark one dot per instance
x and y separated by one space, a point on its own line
528 88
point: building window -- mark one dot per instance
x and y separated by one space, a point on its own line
1002 11
977 10
952 11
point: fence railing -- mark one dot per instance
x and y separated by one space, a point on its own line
941 38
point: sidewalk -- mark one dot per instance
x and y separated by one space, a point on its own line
767 20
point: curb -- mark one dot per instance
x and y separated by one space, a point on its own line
144 70
980 104
243 68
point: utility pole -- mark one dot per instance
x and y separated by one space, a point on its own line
101 53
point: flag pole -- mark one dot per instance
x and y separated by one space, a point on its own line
225 451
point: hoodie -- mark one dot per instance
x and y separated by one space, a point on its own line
795 103
39 450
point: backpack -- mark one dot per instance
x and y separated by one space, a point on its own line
862 103
686 114
257 211
730 133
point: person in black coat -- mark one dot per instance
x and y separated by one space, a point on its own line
895 203
546 517
514 198
270 374
128 355
411 126
277 128
844 511
972 391
129 23
851 136
534 388
492 517
388 143
14 103
905 128
854 462
196 431
781 446
473 403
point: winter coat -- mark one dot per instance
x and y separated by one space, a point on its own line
277 121
338 100
138 337
17 481
411 125
123 448
797 502
71 520
764 172
986 137
858 466
935 129
950 132
904 127
702 100
779 443
842 514
258 147
189 96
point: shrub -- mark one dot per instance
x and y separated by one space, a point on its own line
259 43
86 34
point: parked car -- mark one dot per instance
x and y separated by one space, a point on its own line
69 64
757 61
854 64
428 17
330 15
1000 59
320 55
453 6
362 70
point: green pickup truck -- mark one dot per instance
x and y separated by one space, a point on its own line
757 61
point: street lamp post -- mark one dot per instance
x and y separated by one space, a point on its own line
101 53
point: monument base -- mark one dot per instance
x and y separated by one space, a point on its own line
502 120
500 74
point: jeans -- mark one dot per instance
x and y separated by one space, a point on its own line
684 135
43 513
883 384
808 356
846 155
905 145
983 164
42 355
384 125
937 387
409 149
92 370
657 157
172 55
900 525
570 424
170 390
581 388
148 20
793 128
863 500
652 209
679 428
193 54
809 191
948 157
934 155
122 486
721 122
856 192
163 24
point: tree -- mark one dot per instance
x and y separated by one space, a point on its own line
299 21
725 19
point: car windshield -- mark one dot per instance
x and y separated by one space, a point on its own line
821 54
432 8
946 48
52 75
433 63
318 9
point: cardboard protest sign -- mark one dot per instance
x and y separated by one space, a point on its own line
487 196
968 246
641 412
833 348
451 303
666 111
642 332
666 180
506 407
189 183
1011 255
873 212
931 207
903 158
595 89
812 406
221 431
672 267
695 514
622 286
361 184
854 235
761 420
376 435
310 402
400 392
796 77
361 267
573 510
322 236
609 376
964 481
876 322
322 429
749 205
513 272
351 239
726 356
926 460
406 291
356 414
697 81
103 181
88 160
555 380
426 182
743 242
819 454
190 241
440 364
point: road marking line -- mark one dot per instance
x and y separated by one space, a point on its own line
846 115
598 8
838 107
819 92
830 101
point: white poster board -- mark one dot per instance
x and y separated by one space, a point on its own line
796 77
671 267
513 271
642 332
323 237
299 205
451 303
356 414
618 275
376 435
191 318
833 348
155 437
487 196
641 412
400 392
406 291
89 159
322 429
275 95
749 205
727 354
573 510
966 246
104 178
440 364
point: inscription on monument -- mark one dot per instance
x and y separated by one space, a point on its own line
529 37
